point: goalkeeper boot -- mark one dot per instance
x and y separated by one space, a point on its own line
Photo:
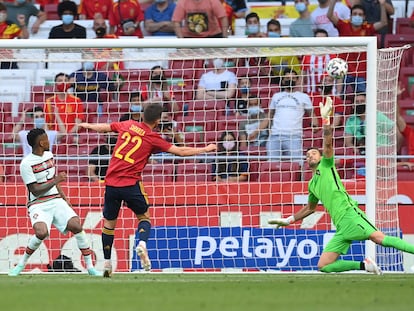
371 266
143 255
94 272
16 270
107 271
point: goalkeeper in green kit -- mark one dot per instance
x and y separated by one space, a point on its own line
351 223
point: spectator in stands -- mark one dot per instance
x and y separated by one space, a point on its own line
250 132
236 9
68 11
253 26
70 108
356 26
408 134
38 121
373 13
320 19
10 31
158 18
88 9
97 167
28 9
279 63
169 130
2 174
355 127
200 19
302 26
91 85
218 83
125 17
158 90
325 89
243 95
135 108
314 67
228 167
285 120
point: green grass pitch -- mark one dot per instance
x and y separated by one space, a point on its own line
252 291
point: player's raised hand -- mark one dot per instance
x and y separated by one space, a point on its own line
281 222
326 110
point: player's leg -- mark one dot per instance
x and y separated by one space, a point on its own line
112 204
391 241
41 222
75 227
137 200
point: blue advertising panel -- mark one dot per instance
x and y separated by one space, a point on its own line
239 248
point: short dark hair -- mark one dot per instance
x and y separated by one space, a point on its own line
38 108
320 30
33 136
152 112
274 22
252 15
314 148
358 6
3 7
135 94
61 73
67 6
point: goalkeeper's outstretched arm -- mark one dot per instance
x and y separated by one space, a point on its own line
326 112
301 214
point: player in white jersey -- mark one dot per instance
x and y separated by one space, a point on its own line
47 202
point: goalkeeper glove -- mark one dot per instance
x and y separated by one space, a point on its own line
326 111
282 222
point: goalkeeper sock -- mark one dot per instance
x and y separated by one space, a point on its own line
33 245
144 228
107 241
84 247
392 241
342 265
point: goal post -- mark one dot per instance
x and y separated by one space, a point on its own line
199 223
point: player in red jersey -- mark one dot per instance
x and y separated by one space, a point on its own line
135 144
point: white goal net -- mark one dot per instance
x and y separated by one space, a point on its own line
210 212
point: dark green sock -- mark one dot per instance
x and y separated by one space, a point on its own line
342 265
392 241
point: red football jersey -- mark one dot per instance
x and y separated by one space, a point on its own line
136 142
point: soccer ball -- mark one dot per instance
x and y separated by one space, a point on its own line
337 68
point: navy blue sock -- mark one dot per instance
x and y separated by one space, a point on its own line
144 228
107 241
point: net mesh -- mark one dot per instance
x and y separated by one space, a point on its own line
204 218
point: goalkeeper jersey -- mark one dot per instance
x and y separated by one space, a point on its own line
327 187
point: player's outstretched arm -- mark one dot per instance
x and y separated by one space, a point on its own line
302 213
326 112
189 151
98 127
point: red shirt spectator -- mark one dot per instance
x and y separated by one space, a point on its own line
89 8
125 17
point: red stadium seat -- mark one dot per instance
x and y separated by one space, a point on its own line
158 173
230 123
403 26
51 11
41 92
279 171
76 170
194 172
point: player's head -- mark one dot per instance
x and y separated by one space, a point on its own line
313 156
152 114
37 138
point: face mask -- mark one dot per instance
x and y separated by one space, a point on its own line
229 144
136 108
357 20
62 86
288 83
218 63
253 29
88 66
244 90
156 78
39 123
327 89
300 7
67 19
3 17
255 110
100 32
272 34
